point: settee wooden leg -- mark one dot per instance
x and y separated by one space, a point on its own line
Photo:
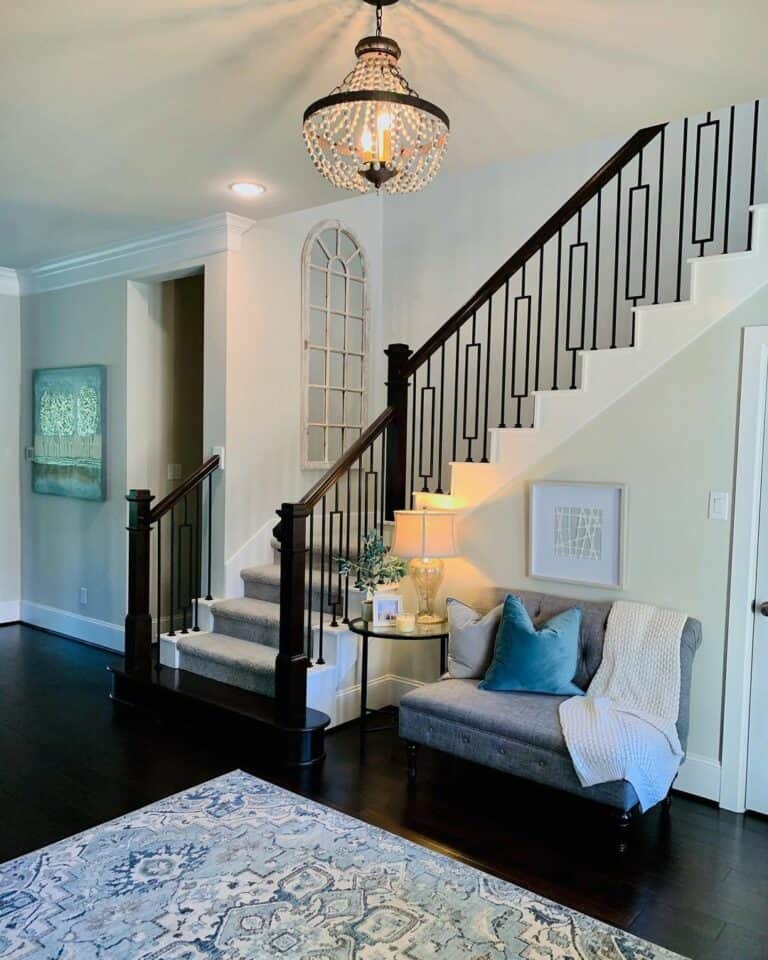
411 750
623 820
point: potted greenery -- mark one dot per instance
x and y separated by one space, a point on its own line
374 567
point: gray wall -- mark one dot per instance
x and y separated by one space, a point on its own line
10 358
68 544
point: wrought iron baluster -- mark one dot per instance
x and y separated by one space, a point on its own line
753 173
209 595
441 422
539 318
504 360
489 335
172 631
557 308
659 207
456 393
310 586
598 224
197 566
159 587
349 522
323 595
728 180
616 262
681 224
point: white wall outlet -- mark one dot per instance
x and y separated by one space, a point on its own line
174 471
83 596
218 452
719 505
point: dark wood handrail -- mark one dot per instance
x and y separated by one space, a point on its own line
347 459
168 502
570 208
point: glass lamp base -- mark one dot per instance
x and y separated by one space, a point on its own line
427 576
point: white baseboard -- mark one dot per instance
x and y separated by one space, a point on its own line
96 632
700 776
10 611
384 691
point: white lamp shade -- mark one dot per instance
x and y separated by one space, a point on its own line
424 533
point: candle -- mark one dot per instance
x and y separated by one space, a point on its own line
406 622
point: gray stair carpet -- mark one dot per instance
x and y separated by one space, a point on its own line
257 621
240 663
263 583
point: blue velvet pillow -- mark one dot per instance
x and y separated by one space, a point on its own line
538 661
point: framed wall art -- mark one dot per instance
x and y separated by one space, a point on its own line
577 532
69 417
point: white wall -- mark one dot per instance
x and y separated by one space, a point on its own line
10 452
264 353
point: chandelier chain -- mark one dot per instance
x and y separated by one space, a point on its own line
378 19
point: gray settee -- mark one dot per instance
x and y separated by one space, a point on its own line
519 733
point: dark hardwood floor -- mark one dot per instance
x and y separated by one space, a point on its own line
696 882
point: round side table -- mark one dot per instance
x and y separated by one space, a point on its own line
366 630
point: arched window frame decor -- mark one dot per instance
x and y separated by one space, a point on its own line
334 325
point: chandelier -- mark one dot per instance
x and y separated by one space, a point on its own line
374 132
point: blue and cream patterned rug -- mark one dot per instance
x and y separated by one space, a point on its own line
238 868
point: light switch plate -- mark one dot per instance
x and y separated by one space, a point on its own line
719 505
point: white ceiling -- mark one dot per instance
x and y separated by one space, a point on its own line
119 118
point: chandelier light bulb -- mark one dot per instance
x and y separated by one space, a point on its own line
373 131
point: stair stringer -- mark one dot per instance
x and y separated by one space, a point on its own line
718 285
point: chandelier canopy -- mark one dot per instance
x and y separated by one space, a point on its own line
374 132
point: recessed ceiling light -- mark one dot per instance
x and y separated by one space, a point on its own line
244 188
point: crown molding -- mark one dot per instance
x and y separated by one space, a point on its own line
9 282
149 255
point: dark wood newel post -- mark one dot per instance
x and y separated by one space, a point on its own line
291 665
397 431
138 621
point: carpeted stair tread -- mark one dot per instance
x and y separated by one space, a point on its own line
263 583
240 663
262 612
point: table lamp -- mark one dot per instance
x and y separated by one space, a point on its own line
425 537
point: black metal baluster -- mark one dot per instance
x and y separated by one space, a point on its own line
753 175
504 359
709 236
616 262
334 601
557 308
527 348
539 317
172 631
681 225
159 585
489 333
185 528
310 584
598 224
323 598
209 595
441 422
728 178
349 522
456 393
197 567
414 401
382 490
659 208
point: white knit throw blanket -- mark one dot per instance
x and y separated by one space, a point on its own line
624 728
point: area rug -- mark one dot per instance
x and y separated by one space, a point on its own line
238 868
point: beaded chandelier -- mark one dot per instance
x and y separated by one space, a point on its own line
374 132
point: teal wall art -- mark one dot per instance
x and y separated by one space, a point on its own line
68 459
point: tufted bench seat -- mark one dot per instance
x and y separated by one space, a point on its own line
519 733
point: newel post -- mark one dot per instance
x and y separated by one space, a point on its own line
397 431
138 621
291 665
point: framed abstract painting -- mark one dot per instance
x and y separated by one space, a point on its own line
69 417
577 532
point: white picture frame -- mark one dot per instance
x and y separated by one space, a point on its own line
577 532
386 607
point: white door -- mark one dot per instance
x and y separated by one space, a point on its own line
757 758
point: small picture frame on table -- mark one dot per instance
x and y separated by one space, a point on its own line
386 607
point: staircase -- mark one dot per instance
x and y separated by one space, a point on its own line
653 250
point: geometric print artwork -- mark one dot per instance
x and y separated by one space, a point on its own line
578 533
238 868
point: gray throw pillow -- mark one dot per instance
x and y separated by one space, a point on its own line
471 639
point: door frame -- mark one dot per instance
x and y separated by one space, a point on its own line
752 413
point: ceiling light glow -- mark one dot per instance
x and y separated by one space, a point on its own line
244 188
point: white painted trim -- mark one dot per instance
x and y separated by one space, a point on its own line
746 509
142 257
10 611
97 632
9 282
699 776
384 691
